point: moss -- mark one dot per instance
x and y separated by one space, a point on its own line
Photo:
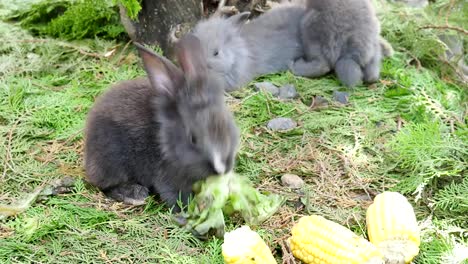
132 7
72 19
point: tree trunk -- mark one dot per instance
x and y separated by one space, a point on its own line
161 22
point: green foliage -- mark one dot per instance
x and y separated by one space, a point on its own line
433 250
87 19
11 7
411 30
442 242
431 150
131 6
452 200
38 14
402 27
422 96
72 19
428 154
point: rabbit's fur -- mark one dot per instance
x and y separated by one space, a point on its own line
160 134
340 35
240 52
273 38
228 54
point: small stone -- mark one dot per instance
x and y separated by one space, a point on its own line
292 181
362 197
341 97
281 123
319 102
180 220
66 181
288 91
268 87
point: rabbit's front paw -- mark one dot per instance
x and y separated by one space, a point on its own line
130 193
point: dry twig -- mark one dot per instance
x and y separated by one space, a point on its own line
63 44
288 257
449 11
459 29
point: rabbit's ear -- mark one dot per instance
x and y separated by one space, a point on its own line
163 74
191 57
240 18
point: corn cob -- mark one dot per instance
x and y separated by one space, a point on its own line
317 240
244 246
392 227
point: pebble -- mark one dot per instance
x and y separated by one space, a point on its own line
362 197
287 91
281 123
319 101
292 181
267 86
341 97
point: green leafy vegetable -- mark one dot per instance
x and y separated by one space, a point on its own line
228 194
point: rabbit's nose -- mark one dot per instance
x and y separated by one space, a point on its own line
218 163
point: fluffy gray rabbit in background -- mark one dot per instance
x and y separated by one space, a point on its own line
239 51
344 36
227 52
273 38
160 134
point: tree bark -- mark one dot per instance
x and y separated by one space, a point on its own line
161 22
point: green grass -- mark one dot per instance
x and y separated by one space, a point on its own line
406 133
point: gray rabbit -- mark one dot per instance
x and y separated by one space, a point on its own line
158 135
228 54
239 51
344 36
273 38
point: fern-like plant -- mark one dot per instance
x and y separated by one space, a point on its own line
132 7
87 19
72 19
417 31
453 199
427 153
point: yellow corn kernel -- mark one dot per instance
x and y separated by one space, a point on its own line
392 227
244 246
317 240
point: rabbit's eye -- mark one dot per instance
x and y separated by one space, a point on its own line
193 139
215 53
